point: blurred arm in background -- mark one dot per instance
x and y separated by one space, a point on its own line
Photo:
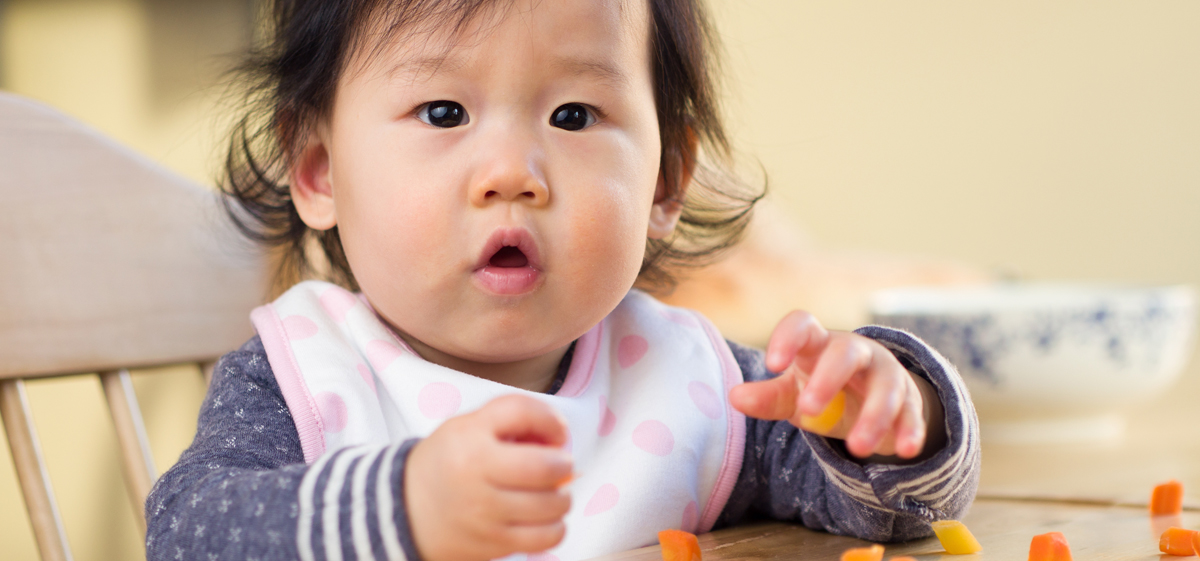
778 268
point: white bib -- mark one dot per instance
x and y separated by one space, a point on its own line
655 443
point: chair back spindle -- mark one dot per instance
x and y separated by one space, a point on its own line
107 262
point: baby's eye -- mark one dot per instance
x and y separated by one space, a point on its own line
572 117
443 114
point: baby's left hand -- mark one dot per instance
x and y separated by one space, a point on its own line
885 411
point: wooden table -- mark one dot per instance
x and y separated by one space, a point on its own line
1003 527
1162 442
1095 494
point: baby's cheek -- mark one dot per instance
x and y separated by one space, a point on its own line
610 247
397 252
405 222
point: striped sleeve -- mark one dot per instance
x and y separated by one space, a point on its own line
351 506
242 490
789 474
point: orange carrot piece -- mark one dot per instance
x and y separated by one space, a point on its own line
1167 498
1051 546
1195 541
873 553
678 545
565 480
903 558
1177 541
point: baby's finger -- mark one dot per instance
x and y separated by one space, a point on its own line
842 358
773 399
798 337
910 425
519 418
531 538
533 508
886 389
518 466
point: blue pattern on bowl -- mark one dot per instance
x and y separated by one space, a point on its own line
1131 338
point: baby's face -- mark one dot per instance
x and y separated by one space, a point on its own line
494 191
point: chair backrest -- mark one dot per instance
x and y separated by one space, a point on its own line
107 262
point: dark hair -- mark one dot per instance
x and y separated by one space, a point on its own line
291 82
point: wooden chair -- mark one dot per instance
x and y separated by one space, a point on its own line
107 262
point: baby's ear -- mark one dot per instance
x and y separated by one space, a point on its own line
668 199
312 184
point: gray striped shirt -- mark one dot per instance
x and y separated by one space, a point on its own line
242 490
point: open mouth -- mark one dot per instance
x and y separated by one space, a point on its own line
509 257
508 263
509 248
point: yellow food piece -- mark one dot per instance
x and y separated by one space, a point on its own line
828 418
955 537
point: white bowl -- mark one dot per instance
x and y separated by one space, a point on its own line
1051 362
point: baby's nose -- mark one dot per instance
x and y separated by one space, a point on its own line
515 184
509 174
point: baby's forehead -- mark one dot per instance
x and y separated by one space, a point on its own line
414 40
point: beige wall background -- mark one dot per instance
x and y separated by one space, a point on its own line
1047 141
1050 140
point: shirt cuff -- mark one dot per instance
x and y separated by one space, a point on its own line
939 487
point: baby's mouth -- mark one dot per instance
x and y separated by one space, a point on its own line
509 257
509 248
509 264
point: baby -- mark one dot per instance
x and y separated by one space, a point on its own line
487 181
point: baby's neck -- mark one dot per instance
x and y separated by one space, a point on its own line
535 374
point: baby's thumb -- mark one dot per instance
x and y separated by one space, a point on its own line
773 399
519 418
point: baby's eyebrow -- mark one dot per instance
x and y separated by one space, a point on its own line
412 68
596 67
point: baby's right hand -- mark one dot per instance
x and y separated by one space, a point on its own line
488 484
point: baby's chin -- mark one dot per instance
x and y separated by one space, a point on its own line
467 353
519 337
502 355
532 370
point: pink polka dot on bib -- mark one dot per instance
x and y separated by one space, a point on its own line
631 349
691 517
682 318
706 399
603 500
439 400
337 301
381 353
299 327
607 420
367 377
654 437
333 411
